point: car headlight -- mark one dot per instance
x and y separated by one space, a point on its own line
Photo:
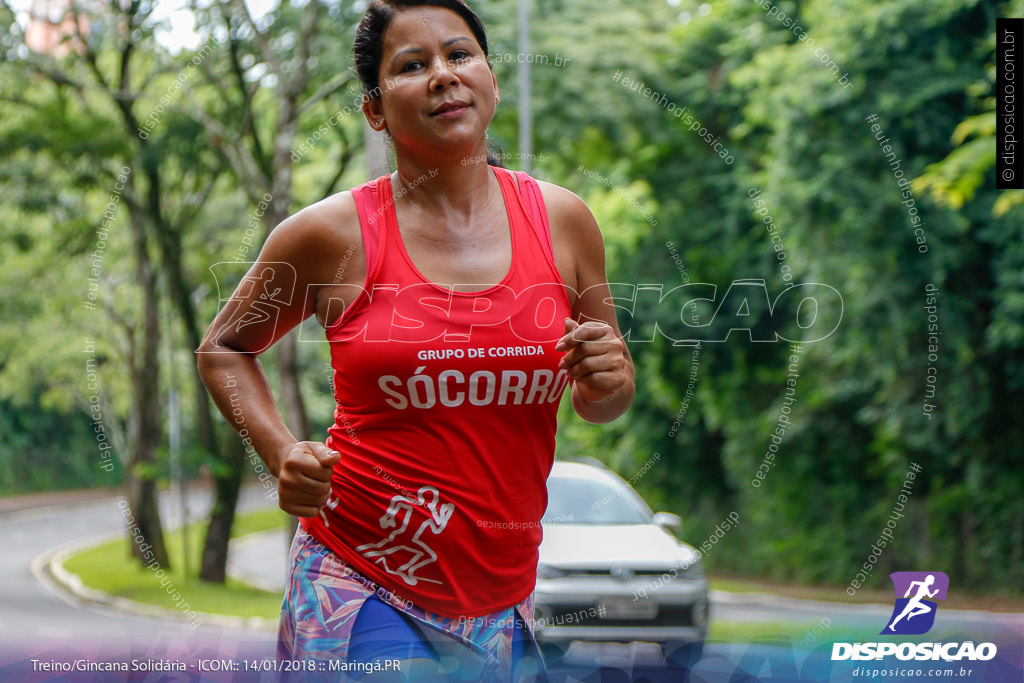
693 571
548 572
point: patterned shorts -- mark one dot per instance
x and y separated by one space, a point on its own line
324 596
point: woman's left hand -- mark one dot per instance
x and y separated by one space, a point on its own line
595 358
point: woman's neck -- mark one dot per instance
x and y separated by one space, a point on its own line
457 184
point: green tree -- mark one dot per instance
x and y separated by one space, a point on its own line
84 113
275 77
795 122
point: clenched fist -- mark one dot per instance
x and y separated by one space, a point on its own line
304 478
595 358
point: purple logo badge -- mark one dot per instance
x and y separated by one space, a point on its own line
914 612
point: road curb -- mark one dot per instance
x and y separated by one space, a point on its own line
867 609
239 574
49 569
770 600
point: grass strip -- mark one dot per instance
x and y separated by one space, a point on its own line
111 569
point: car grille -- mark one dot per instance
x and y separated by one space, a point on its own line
606 572
668 615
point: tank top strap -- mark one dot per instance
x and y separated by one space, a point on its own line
531 204
370 198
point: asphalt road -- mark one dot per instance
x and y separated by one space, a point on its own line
767 659
259 560
39 622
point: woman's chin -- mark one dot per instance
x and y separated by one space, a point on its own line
451 140
467 129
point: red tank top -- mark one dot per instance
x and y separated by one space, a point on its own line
445 416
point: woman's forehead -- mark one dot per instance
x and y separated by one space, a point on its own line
424 26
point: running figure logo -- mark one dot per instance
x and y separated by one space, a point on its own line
398 546
915 614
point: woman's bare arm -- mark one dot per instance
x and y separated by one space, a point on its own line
276 295
596 357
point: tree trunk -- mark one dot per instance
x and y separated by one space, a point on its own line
288 353
227 470
227 484
170 249
142 481
278 175
294 407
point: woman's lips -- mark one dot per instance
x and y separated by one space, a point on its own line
451 111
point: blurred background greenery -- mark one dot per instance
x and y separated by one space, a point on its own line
107 331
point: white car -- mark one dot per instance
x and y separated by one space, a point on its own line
611 571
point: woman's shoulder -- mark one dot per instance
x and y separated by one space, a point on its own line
324 221
575 237
319 230
569 216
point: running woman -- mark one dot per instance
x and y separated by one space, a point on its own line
460 299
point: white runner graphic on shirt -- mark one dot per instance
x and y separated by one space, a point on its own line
392 547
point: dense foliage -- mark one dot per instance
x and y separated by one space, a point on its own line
810 190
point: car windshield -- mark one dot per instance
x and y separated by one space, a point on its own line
578 500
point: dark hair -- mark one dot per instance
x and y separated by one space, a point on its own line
369 44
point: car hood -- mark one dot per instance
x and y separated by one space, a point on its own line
596 545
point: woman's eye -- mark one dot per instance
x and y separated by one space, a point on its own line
460 56
411 66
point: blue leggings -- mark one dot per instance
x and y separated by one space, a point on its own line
381 632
